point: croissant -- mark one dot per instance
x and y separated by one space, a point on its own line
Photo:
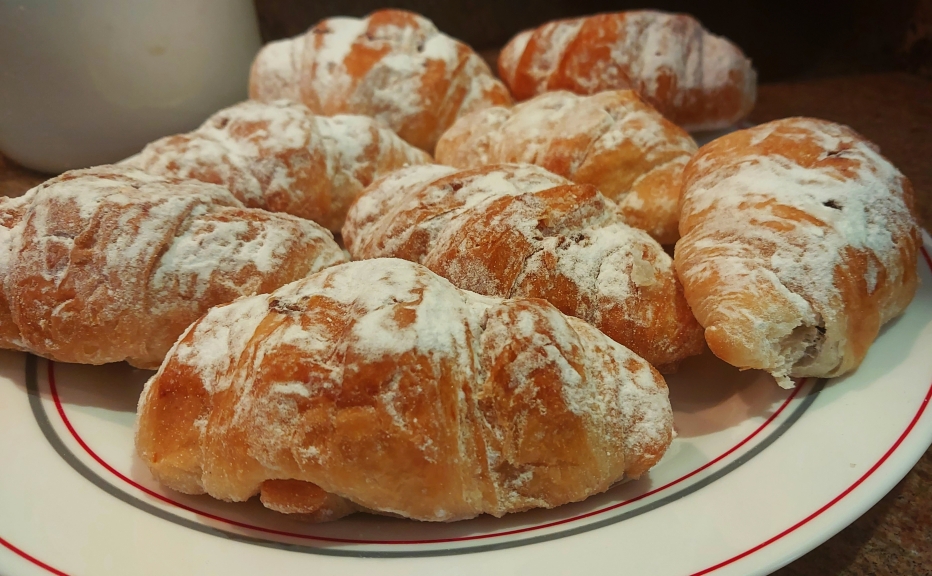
612 140
281 157
380 386
799 242
392 65
517 230
110 263
696 79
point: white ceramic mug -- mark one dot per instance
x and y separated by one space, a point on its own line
87 82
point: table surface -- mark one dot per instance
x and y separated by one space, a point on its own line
893 110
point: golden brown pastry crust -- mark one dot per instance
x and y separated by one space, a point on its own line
696 79
517 230
612 140
799 243
281 157
304 500
385 387
392 65
110 264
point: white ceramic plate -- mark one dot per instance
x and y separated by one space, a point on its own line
757 477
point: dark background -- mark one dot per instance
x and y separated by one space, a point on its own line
785 39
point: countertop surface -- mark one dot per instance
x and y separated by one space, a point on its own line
893 110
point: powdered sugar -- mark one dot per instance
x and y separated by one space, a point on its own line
571 248
610 264
190 262
720 58
436 327
609 388
349 137
482 89
125 260
391 87
442 47
147 211
511 54
280 156
11 225
396 97
577 137
648 51
275 71
653 48
643 127
656 44
855 223
600 382
390 191
327 51
208 343
855 204
632 399
558 36
385 205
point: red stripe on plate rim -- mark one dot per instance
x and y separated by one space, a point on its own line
61 412
30 558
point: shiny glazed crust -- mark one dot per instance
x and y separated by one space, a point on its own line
517 230
378 385
696 79
392 65
110 263
799 241
282 157
612 140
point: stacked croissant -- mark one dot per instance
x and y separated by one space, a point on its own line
497 344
